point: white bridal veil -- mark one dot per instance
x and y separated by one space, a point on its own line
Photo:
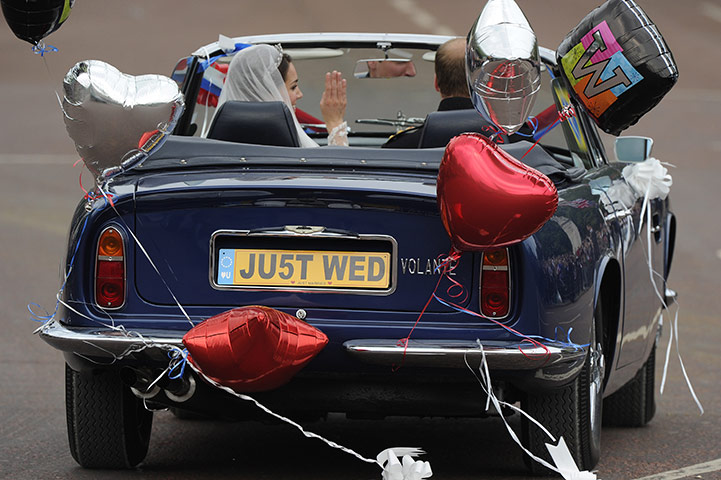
253 76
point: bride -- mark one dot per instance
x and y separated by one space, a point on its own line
262 73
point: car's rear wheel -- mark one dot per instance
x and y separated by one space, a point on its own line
108 427
634 405
573 412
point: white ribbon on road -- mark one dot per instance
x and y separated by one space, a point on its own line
408 469
565 464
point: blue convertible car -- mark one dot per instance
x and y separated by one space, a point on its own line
568 318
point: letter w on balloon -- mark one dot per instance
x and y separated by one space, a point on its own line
598 70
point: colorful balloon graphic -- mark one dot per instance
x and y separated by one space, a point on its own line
617 64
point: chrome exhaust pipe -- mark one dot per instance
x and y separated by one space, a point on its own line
140 382
181 389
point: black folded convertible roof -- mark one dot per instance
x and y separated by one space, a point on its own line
189 152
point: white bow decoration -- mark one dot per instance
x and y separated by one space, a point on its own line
409 469
649 178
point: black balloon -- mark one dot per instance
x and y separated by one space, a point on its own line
617 64
33 20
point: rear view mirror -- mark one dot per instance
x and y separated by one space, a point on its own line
384 68
633 149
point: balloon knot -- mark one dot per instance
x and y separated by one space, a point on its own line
40 49
566 112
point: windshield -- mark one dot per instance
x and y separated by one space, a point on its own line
380 107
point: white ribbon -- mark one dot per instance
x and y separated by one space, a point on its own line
567 468
407 469
652 179
387 459
564 461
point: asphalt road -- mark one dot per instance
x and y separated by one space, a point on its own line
39 188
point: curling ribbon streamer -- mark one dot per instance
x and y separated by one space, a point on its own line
424 469
653 179
564 461
567 465
407 469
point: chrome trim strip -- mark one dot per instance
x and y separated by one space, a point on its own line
323 38
316 232
108 343
493 268
106 258
455 353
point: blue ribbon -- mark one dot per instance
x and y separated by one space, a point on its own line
204 64
182 363
41 49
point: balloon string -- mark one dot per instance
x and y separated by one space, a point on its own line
566 113
92 195
40 49
445 267
147 256
279 417
47 318
525 338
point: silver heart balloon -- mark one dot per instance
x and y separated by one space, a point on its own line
117 120
503 69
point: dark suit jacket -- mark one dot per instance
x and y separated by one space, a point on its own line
411 137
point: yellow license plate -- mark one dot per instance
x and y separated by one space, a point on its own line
303 269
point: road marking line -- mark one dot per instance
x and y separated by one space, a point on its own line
36 159
685 472
718 253
421 17
711 11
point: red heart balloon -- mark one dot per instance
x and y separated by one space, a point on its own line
487 198
253 349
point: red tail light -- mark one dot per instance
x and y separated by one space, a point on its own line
495 283
110 269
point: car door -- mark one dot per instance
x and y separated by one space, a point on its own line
641 250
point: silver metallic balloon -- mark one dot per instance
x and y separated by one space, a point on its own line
117 120
503 69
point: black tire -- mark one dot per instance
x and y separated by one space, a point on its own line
573 412
108 427
634 405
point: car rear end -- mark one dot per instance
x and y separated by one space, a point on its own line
358 251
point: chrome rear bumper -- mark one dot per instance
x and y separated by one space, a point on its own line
459 353
104 342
